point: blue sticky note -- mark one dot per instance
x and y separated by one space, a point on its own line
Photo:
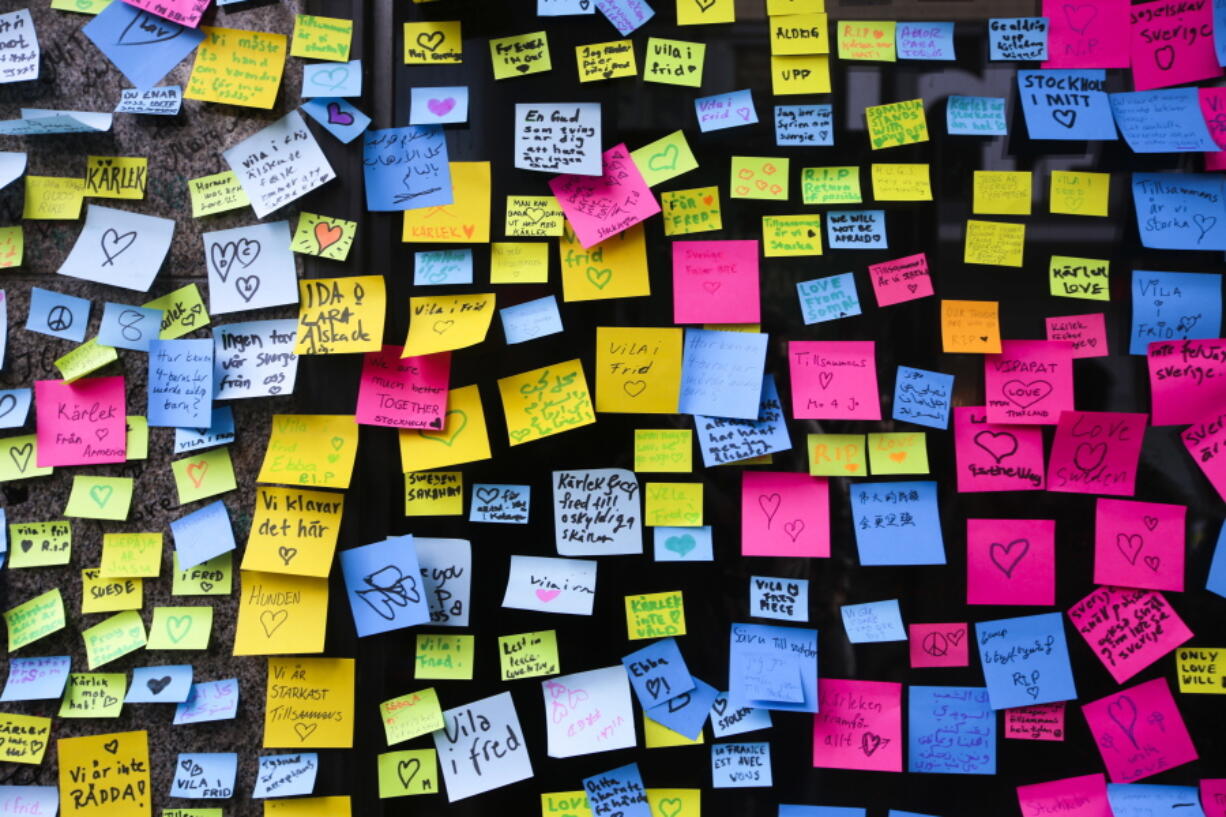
435 267
804 125
873 622
686 713
507 504
976 116
531 319
1151 800
129 327
731 110
1163 121
736 720
923 397
142 45
723 439
1219 30
617 793
406 168
1216 581
286 775
856 230
896 813
209 701
1180 211
924 41
828 299
740 765
204 775
777 597
560 8
180 384
897 523
202 534
61 316
687 544
772 667
820 811
4 531
1174 306
657 672
383 581
1025 660
162 101
170 684
1066 104
14 407
219 432
1018 38
438 106
626 16
339 117
39 678
31 799
41 122
332 79
721 373
952 730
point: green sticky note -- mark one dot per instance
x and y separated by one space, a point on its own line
94 695
528 655
204 475
99 595
87 358
138 438
182 628
664 159
448 657
19 458
113 637
837 455
131 554
33 619
413 771
182 312
898 452
39 544
100 498
212 578
411 715
83 6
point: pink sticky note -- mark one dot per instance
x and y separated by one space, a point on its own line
184 12
1030 382
1215 161
1084 796
1096 452
1213 108
994 457
858 725
1139 544
1038 722
937 645
1087 33
1087 333
401 392
1011 561
1128 629
1139 731
834 380
1213 796
600 207
1206 443
1162 54
715 282
81 423
903 279
1187 380
784 514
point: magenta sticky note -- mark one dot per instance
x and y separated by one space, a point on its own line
1084 796
408 392
1187 380
996 457
1096 452
715 282
834 379
1038 722
1011 561
938 645
1087 333
785 514
858 725
1139 544
1212 107
1128 629
81 423
1213 796
1029 382
903 279
1206 443
599 207
1087 34
1139 731
1162 53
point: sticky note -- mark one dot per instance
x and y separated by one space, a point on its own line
280 614
182 311
209 701
692 13
520 55
120 758
532 217
881 511
414 771
970 326
332 80
866 40
100 497
231 50
113 638
410 715
827 299
638 370
53 198
1144 643
526 416
1080 193
1144 716
1017 38
112 240
444 657
329 682
951 730
519 262
321 38
1011 561
834 380
938 645
975 116
856 229
715 282
1201 670
721 373
1039 722
994 242
180 628
1066 104
873 622
898 123
772 667
33 619
1031 677
463 437
458 213
795 75
830 185
1159 63
1173 306
790 236
617 530
116 177
609 60
433 43
995 457
901 182
804 125
691 211
848 736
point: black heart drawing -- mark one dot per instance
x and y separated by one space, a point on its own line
430 41
999 444
1124 712
1151 522
247 286
1204 224
487 495
870 742
114 244
1065 116
407 765
146 29
1089 456
1152 562
21 455
156 685
112 745
1007 557
1164 57
721 705
7 403
224 256
1130 546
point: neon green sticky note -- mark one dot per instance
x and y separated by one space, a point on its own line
898 452
673 504
216 194
100 497
663 450
19 458
182 312
830 185
408 716
33 619
113 637
12 246
99 595
131 554
137 438
212 578
181 628
83 6
528 655
837 455
448 657
39 544
675 802
203 475
86 359
664 159
413 771
93 695
566 804
759 177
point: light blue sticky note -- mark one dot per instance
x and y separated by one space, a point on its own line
952 730
924 41
560 8
41 122
129 327
4 532
438 106
1163 121
873 622
436 267
508 504
1018 38
162 101
820 811
689 544
686 713
338 116
204 775
119 248
219 432
804 125
976 116
729 720
1067 104
530 320
626 16
254 359
772 667
286 775
777 597
724 440
39 678
1216 581
250 267
657 672
383 582
180 386
406 168
740 765
1025 660
143 46
730 110
332 79
617 793
170 684
897 523
721 373
203 534
1151 800
12 166
61 316
829 298
923 397
856 230
1219 30
209 701
1180 211
14 407
29 799
1174 306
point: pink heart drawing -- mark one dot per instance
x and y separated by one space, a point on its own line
441 107
547 595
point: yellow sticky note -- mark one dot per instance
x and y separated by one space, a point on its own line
340 315
136 432
830 185
116 177
293 531
674 62
614 268
182 312
412 771
119 762
970 326
691 211
611 60
520 55
901 182
131 554
53 198
444 657
533 217
86 359
311 449
337 806
998 243
434 493
433 43
93 695
655 615
546 401
658 736
465 221
784 236
1087 278
441 323
528 655
33 619
664 159
327 723
40 544
12 246
180 628
837 455
100 498
675 802
19 458
1199 669
321 38
898 452
279 614
464 437
238 67
99 595
212 578
662 450
1078 193
218 193
673 504
703 12
1002 193
519 262
759 177
793 34
324 236
408 716
867 40
113 638
25 739
565 804
808 74
899 123
204 475
638 369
